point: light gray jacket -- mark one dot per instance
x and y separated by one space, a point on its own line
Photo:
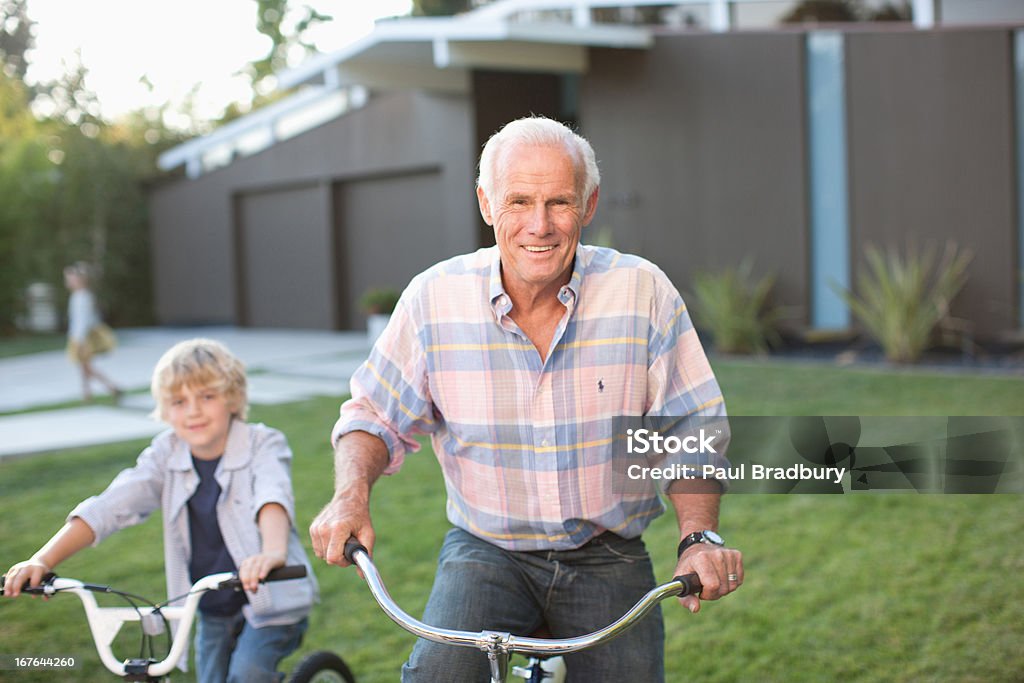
254 470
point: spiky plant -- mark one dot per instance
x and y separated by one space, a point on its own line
733 307
901 298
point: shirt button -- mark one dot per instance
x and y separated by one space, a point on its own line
544 442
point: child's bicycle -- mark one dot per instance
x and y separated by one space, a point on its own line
105 623
544 664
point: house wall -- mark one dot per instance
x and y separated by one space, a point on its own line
703 148
280 238
932 156
700 142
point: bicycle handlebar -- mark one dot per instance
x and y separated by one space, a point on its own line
105 622
297 571
503 644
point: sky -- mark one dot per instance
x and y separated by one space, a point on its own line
175 44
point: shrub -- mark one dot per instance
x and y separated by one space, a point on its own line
900 300
379 300
733 308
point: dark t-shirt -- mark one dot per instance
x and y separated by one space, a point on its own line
209 554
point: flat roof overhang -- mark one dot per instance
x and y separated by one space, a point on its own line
439 54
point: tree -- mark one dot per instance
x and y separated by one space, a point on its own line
823 11
15 37
650 15
272 21
828 11
73 189
441 8
26 185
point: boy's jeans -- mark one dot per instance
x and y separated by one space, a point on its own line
479 586
229 649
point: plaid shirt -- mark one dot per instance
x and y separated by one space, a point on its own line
526 447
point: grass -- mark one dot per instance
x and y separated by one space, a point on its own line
25 343
862 587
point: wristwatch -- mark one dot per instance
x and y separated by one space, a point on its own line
706 536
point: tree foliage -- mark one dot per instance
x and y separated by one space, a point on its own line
26 182
829 11
272 21
15 37
441 8
73 189
72 184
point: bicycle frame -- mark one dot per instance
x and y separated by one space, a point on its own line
499 645
106 622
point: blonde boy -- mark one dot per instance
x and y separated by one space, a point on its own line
225 490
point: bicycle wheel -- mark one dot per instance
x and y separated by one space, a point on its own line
322 667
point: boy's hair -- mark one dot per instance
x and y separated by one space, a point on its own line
200 363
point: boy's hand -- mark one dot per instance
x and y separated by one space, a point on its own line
256 567
31 571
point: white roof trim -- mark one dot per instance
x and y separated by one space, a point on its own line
444 33
435 53
265 117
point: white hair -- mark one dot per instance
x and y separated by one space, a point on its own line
538 131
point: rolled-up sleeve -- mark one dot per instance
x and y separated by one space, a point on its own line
683 394
129 499
390 392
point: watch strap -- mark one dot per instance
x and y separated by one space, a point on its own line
694 538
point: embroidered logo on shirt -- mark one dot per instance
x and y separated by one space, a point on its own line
600 386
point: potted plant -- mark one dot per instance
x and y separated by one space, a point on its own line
378 303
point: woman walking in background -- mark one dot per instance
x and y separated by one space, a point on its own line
88 335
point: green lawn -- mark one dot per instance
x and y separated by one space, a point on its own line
860 587
24 343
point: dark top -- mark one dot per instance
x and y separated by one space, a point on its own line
209 554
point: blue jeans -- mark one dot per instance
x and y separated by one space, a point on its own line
479 586
229 649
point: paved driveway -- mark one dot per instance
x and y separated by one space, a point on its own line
284 366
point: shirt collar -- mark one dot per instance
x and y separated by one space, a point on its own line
501 303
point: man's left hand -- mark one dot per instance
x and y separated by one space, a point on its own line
720 570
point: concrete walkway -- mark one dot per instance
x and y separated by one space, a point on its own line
284 366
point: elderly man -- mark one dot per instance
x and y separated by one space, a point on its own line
516 359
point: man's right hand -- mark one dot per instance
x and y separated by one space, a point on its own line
341 519
359 460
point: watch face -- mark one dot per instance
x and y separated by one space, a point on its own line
712 537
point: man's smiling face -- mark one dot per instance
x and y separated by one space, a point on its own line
537 215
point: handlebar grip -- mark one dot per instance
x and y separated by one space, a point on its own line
351 546
31 590
691 584
295 571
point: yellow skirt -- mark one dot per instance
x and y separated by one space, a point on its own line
101 339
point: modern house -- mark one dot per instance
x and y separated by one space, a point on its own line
794 145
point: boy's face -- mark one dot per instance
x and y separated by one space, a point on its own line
201 417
